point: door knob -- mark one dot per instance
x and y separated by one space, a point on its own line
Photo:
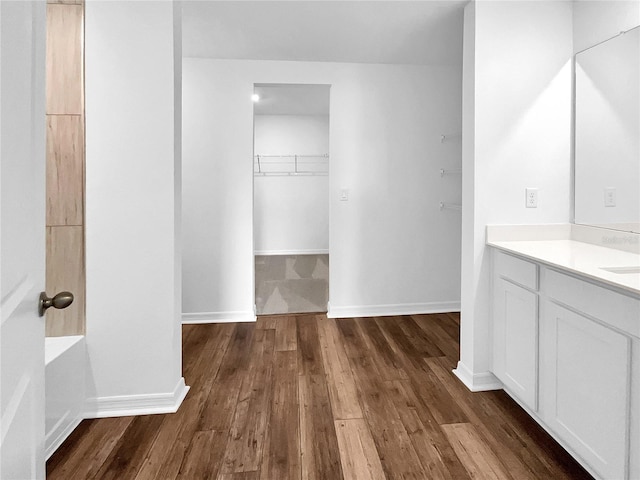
60 300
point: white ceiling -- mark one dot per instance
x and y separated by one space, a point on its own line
396 32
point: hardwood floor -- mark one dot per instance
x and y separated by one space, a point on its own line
306 397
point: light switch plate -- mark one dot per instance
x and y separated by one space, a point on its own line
344 195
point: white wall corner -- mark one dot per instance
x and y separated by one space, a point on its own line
59 434
145 404
219 317
352 311
65 367
477 382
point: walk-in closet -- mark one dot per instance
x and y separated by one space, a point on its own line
291 198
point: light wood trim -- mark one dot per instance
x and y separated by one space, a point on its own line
65 85
66 2
65 165
65 271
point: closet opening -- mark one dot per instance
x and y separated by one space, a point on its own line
291 198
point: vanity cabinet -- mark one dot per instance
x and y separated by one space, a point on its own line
515 327
585 380
568 350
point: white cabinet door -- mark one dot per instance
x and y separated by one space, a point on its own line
22 247
585 379
515 340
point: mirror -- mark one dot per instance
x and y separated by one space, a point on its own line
607 134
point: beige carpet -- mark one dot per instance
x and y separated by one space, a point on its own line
291 283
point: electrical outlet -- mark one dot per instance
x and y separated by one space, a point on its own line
531 200
609 197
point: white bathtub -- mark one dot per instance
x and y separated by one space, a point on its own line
65 359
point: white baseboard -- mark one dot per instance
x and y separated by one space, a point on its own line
292 252
218 317
386 310
146 404
477 382
59 434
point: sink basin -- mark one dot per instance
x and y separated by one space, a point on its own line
622 270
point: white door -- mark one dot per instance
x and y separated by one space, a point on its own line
22 244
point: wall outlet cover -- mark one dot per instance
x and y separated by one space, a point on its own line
610 197
531 199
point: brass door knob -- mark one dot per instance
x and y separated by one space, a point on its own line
60 300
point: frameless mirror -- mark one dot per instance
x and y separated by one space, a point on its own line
607 133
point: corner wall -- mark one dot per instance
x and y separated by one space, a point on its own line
392 250
133 330
517 134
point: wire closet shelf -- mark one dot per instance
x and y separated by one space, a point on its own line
291 165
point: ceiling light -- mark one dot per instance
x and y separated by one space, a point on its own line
255 97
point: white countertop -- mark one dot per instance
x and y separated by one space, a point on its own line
580 258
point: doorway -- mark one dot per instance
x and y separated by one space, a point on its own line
291 198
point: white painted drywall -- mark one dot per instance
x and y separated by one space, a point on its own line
517 135
133 330
597 20
291 134
392 249
469 286
291 213
607 131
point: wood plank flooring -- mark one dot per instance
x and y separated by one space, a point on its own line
306 397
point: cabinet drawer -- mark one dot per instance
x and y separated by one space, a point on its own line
517 270
615 309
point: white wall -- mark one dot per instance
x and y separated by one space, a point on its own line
291 134
517 134
291 213
132 193
597 20
392 249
